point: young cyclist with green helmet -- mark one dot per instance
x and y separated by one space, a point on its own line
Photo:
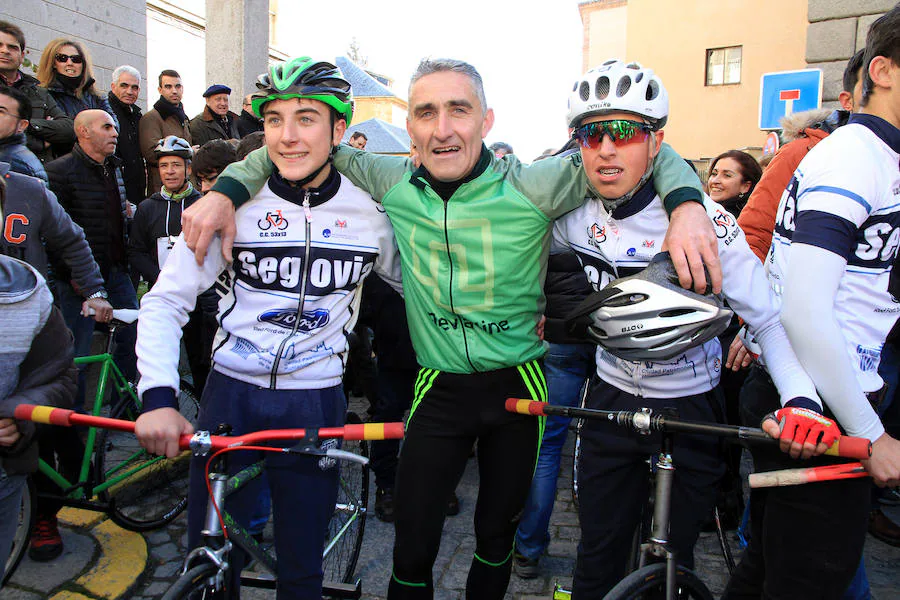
473 233
287 301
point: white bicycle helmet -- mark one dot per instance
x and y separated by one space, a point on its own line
172 145
616 86
648 316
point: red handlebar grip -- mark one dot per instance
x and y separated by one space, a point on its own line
43 414
525 407
373 431
851 447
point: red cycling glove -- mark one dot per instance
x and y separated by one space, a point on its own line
804 425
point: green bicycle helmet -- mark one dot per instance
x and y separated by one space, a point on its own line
305 78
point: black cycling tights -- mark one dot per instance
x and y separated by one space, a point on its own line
450 412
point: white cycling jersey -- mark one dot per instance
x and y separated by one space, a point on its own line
286 306
621 243
830 205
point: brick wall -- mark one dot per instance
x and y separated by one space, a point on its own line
837 29
115 32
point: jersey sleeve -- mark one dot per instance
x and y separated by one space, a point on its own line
832 200
746 287
376 174
242 180
164 311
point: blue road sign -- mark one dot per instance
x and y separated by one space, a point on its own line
785 92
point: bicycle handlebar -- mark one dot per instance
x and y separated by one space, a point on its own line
123 315
845 446
807 475
68 418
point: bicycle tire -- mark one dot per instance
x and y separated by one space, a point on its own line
22 534
345 530
193 585
650 582
157 493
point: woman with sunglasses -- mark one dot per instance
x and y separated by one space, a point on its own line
66 72
617 113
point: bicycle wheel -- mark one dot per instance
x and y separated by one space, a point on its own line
153 490
196 584
23 530
345 531
650 582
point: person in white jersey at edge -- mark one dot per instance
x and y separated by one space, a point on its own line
617 112
836 235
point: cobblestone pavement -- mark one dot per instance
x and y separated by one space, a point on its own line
166 548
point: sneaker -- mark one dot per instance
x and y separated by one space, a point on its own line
526 568
46 543
452 506
384 504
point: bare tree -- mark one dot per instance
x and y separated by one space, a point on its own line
355 55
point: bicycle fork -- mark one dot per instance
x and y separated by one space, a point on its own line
212 530
658 543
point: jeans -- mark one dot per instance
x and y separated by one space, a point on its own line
566 367
11 487
121 295
303 488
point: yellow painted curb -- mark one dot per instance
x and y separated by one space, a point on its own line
69 596
123 557
76 517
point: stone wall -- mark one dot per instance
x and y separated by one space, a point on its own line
114 31
837 29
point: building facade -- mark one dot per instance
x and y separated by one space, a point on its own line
712 53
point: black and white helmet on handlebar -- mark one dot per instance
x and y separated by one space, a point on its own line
648 316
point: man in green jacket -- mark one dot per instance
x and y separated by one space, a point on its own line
473 237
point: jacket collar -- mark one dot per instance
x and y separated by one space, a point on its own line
641 199
445 189
16 139
294 194
208 115
886 132
56 86
118 105
111 160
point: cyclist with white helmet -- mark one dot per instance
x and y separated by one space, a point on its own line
657 345
286 305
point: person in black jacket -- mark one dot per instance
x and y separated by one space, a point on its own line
248 123
48 124
15 109
156 226
66 72
89 186
123 95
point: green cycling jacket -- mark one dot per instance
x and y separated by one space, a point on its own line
474 265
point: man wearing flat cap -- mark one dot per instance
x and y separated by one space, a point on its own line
216 122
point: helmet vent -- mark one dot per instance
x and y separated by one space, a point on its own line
634 66
624 86
625 300
585 91
652 90
602 88
676 312
639 77
574 86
